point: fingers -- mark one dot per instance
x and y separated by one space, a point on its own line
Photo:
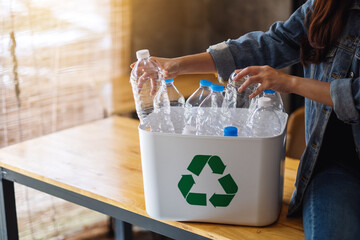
153 86
252 70
141 82
248 74
153 78
250 81
144 78
257 91
166 74
257 75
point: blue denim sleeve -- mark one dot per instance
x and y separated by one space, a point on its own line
345 94
278 47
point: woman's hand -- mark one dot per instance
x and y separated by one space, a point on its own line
270 78
267 77
169 66
169 69
173 67
190 64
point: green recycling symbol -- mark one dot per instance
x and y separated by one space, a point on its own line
217 166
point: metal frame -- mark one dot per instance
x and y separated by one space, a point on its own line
123 217
8 218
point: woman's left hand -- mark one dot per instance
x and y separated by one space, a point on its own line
267 77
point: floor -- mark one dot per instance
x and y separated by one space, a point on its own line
102 231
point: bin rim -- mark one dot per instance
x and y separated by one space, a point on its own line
238 138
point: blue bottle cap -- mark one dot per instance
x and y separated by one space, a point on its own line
269 91
217 87
170 80
230 131
206 83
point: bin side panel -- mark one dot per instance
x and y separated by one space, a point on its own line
237 188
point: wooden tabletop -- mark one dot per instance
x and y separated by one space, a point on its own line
101 160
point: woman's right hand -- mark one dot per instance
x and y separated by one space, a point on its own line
169 69
169 66
173 67
191 64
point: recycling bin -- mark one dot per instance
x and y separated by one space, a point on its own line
230 180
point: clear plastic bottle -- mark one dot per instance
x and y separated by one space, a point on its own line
177 103
276 101
234 98
175 97
192 104
146 79
169 91
200 94
230 131
236 102
264 121
209 120
144 71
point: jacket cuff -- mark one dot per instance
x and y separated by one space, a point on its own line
342 97
223 59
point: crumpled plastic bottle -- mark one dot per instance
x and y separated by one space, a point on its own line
209 120
177 102
264 121
192 104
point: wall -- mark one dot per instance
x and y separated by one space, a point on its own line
172 28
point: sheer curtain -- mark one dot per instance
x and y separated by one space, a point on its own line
57 63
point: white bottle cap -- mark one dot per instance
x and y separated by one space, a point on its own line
141 54
264 102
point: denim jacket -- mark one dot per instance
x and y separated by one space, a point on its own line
278 48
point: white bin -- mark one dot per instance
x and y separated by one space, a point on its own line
231 180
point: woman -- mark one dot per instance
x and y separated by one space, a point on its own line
324 35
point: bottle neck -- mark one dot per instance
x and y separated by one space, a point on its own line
170 84
205 88
144 59
266 108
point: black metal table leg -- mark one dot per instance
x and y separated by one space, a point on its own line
8 218
123 230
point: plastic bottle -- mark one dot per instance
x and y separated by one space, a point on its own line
146 78
264 121
192 104
200 94
209 120
236 102
142 94
175 97
230 131
234 98
276 101
177 102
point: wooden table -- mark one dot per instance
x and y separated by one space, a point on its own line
97 165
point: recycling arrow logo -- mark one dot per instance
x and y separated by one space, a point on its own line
217 166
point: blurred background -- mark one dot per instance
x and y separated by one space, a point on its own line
65 63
